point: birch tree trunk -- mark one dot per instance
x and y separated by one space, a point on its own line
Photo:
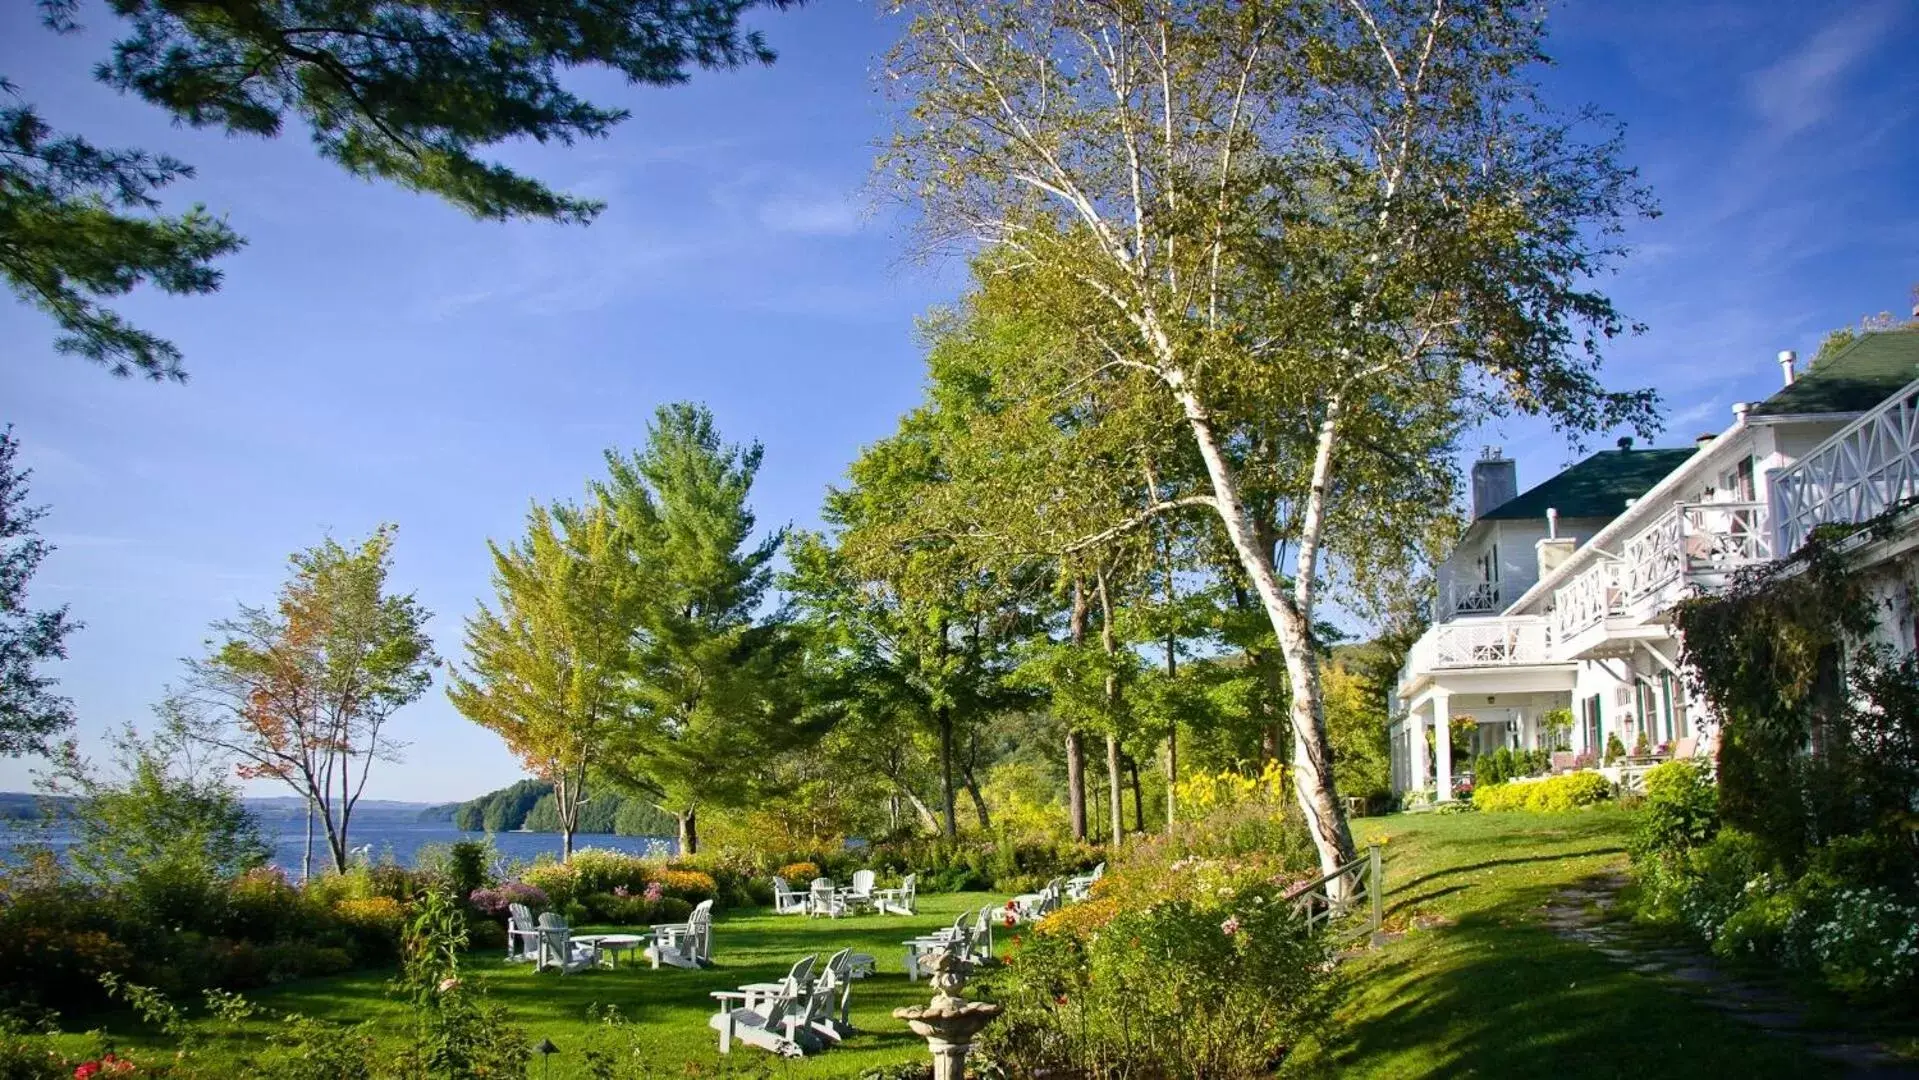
1075 745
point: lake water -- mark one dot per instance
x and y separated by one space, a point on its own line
395 835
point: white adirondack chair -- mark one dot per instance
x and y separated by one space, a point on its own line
900 901
557 949
960 934
983 932
840 972
522 935
824 899
1079 887
781 1022
860 894
684 945
786 901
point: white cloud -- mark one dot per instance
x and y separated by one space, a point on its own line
1799 91
812 214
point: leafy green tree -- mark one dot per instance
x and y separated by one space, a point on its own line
712 690
80 223
31 713
1350 230
410 91
163 820
302 692
917 632
546 671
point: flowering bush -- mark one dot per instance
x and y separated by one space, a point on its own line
1201 794
1215 987
597 870
692 886
496 901
1868 943
108 1064
1569 792
555 880
798 873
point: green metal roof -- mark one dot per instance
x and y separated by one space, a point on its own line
1854 379
1597 487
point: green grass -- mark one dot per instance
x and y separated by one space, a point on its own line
665 1011
1490 990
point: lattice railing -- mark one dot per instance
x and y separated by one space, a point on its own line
1654 557
1866 468
1473 597
1491 642
1691 541
1586 600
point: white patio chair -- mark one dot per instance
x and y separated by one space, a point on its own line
684 945
901 901
522 935
959 935
557 949
1080 886
824 899
787 901
781 1022
860 894
841 971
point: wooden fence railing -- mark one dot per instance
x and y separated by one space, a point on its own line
1358 886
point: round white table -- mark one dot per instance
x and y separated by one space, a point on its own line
612 945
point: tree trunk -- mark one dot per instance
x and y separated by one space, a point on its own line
1115 803
928 819
306 857
949 802
1172 724
1076 783
689 831
1291 618
979 801
1075 746
1139 801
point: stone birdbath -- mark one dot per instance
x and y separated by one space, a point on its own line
950 1022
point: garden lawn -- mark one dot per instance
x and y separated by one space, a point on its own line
1488 989
661 1016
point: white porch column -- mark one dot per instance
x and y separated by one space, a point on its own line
1443 742
1416 742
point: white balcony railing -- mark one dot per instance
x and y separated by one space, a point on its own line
1586 600
1866 468
1472 597
1468 643
1693 543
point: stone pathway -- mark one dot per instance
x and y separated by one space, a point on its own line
1577 914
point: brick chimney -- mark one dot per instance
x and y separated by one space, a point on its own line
1495 480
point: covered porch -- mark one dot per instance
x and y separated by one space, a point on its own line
1504 706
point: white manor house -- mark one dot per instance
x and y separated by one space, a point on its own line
1560 597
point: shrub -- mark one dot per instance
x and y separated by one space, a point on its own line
262 905
554 880
1681 810
1569 792
1222 988
598 870
496 901
374 925
1868 944
692 886
672 909
799 873
617 910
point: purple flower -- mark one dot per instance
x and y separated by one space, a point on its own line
655 892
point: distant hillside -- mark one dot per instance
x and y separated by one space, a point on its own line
529 805
27 806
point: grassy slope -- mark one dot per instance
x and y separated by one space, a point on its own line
1496 992
666 1010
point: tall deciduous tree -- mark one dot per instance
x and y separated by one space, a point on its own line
712 691
1355 215
303 692
31 713
411 91
547 671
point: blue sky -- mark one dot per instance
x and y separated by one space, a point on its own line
375 356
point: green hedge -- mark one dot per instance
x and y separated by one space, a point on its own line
1568 792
